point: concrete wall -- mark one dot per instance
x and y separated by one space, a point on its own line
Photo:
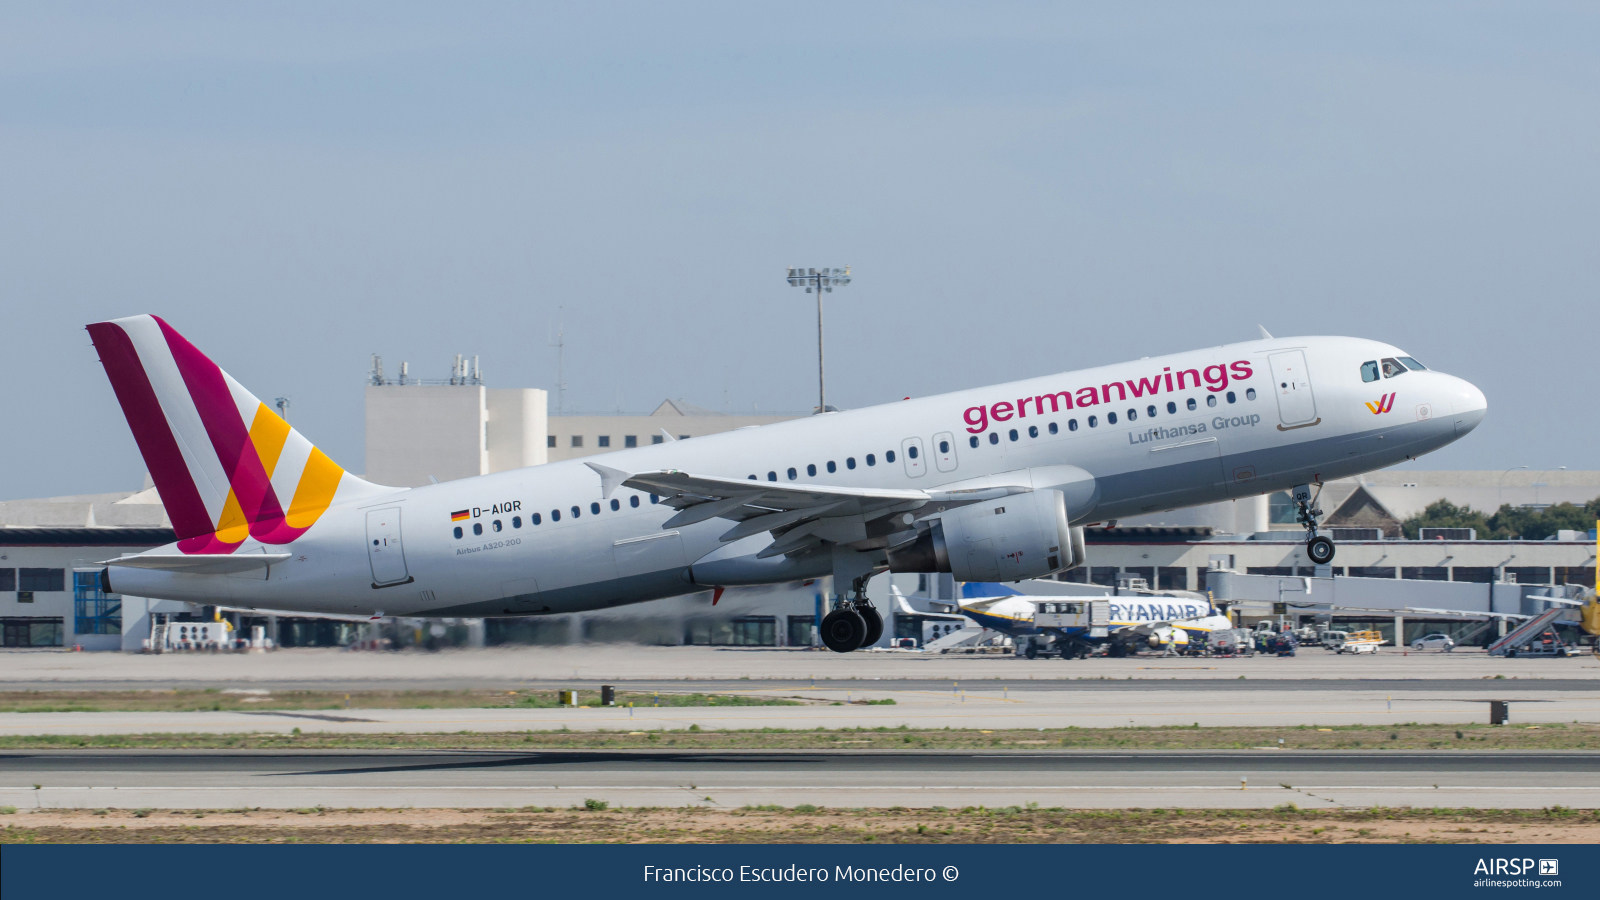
414 431
645 429
517 420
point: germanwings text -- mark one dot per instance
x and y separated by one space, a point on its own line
1212 378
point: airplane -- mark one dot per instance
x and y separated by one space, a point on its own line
1131 620
989 484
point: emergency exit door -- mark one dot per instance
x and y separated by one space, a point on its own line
1291 381
384 548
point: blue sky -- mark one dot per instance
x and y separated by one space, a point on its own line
1020 189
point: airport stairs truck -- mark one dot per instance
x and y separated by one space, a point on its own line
1535 637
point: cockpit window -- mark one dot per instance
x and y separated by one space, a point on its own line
1392 367
1413 365
1369 370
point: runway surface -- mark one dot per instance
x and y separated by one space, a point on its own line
1073 779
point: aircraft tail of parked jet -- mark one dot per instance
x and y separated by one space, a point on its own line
227 467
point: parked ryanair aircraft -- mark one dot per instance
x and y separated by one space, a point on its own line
1073 626
991 484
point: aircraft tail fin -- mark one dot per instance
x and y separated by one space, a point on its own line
227 467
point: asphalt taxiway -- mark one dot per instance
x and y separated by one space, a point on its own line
1072 779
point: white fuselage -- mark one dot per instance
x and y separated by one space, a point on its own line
591 560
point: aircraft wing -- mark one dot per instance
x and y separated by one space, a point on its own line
800 516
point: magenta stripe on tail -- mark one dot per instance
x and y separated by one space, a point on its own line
150 430
229 434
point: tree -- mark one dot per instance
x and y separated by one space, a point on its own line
1508 523
1444 514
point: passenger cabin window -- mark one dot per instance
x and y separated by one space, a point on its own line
994 437
1232 398
1111 418
1150 411
1133 414
1072 424
1172 408
888 456
832 467
1413 365
1369 370
458 531
1211 399
496 524
1190 404
477 528
1249 393
871 460
849 462
911 451
973 441
616 505
1392 367
1093 421
1053 428
1013 434
576 512
944 446
793 474
772 476
632 501
536 518
594 508
811 470
516 521
1033 431
555 515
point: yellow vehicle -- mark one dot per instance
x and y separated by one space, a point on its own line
1361 642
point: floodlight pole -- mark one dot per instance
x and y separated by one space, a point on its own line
822 377
820 280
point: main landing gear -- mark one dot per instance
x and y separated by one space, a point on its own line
1319 547
854 623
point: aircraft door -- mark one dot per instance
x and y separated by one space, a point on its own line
1292 383
384 549
915 460
944 446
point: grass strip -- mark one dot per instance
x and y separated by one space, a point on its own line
214 700
595 822
1559 736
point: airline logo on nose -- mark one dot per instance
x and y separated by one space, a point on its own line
1382 405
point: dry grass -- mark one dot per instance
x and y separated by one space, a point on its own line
213 700
1575 736
975 825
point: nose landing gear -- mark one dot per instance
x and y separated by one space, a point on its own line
854 623
1318 547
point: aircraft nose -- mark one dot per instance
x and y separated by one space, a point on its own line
1468 404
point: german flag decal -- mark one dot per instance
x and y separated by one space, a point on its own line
459 515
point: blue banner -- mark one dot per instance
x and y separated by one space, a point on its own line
436 872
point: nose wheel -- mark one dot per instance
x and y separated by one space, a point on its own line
1319 547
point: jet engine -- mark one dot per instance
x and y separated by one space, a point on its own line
1009 539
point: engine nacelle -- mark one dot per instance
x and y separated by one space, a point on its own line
1009 539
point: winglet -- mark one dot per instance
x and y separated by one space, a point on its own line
1265 335
610 479
669 437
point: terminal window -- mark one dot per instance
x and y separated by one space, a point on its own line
42 580
550 441
32 632
656 439
631 440
577 440
605 440
8 579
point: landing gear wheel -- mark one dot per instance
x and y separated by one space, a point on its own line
1033 651
1068 651
1320 549
843 630
874 625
